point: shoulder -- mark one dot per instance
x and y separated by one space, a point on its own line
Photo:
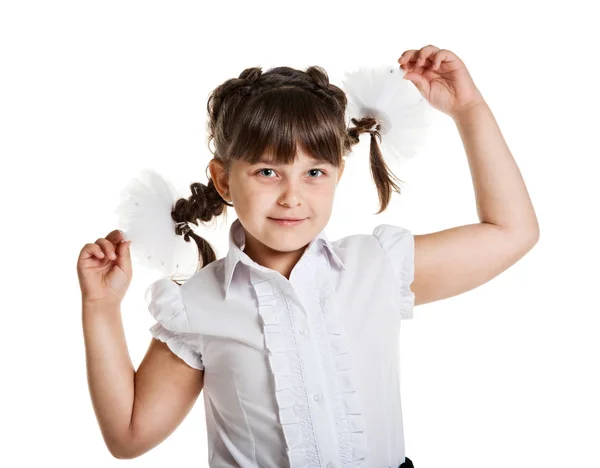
165 304
206 283
168 301
385 238
398 246
394 239
205 276
387 246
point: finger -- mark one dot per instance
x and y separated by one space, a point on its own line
407 56
437 59
410 61
425 53
404 56
124 257
107 247
92 250
412 55
115 236
441 56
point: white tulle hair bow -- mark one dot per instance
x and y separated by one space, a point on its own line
403 114
380 92
144 216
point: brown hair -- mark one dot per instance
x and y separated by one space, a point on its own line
271 113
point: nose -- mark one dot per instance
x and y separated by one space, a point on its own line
290 196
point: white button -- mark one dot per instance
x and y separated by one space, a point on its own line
317 397
302 331
329 465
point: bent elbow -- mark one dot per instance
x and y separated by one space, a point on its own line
123 448
121 452
125 453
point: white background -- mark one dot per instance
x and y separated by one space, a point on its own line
92 92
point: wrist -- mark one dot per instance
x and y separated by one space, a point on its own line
469 108
102 306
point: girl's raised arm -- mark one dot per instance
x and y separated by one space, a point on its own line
456 260
135 410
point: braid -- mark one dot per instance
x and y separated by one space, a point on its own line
219 104
203 205
329 92
251 75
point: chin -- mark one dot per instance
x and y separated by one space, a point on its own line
287 244
287 239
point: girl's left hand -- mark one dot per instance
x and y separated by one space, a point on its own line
442 78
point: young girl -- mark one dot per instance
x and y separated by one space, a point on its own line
293 337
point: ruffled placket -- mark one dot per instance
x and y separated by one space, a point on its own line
291 394
338 364
284 360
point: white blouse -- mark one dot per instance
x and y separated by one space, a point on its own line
301 372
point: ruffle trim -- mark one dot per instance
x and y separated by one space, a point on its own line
178 346
166 306
341 378
290 391
290 394
398 245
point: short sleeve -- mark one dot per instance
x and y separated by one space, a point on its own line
398 245
171 327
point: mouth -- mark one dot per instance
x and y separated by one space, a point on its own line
288 221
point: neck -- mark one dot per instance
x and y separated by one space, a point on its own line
282 262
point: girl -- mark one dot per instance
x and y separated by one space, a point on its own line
293 337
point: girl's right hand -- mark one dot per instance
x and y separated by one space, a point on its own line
104 269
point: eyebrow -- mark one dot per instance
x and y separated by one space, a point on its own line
263 160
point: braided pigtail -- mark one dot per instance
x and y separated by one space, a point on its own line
203 205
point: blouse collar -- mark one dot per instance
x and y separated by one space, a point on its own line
237 241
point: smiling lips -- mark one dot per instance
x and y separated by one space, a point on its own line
288 221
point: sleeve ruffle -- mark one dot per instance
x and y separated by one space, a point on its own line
398 245
171 327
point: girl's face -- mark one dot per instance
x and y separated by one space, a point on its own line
263 192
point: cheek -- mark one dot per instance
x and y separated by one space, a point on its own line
254 195
254 190
324 190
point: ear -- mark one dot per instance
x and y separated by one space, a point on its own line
341 170
220 177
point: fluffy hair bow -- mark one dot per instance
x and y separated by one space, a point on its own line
403 114
144 216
